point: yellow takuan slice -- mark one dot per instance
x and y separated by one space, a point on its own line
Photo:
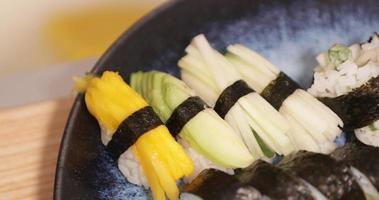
110 100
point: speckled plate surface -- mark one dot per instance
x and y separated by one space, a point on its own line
288 32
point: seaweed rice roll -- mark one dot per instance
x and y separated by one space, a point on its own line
347 80
329 176
214 184
364 164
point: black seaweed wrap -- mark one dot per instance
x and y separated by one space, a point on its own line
131 129
279 89
357 108
184 113
274 182
330 177
230 96
212 184
362 157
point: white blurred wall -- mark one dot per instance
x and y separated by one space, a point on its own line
29 69
21 26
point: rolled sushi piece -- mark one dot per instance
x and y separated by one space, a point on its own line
213 184
216 81
347 80
208 139
277 183
330 177
134 135
314 127
364 165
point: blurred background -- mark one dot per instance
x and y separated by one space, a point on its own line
44 43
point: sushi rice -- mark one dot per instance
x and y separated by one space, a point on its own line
128 163
342 69
132 170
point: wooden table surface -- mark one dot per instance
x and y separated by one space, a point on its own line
30 138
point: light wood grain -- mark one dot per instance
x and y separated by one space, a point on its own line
29 143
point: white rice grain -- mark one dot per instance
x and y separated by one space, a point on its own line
369 134
127 163
132 170
333 81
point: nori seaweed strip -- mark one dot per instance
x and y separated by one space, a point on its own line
213 184
362 157
371 37
230 96
274 182
131 129
357 108
184 113
330 177
279 89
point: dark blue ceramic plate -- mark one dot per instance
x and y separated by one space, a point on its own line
288 32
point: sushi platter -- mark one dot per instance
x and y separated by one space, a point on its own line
223 121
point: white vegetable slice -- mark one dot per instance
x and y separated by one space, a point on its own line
256 121
317 195
305 116
368 188
314 126
239 121
253 58
206 132
300 137
259 82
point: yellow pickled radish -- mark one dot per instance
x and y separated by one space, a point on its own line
167 182
102 99
158 193
81 83
110 100
183 160
166 156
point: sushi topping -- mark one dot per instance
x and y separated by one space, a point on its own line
314 126
279 89
209 73
372 127
342 69
338 54
131 129
207 139
184 113
230 96
122 111
254 68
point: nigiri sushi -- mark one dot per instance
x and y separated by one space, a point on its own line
210 141
134 135
347 80
215 80
314 126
